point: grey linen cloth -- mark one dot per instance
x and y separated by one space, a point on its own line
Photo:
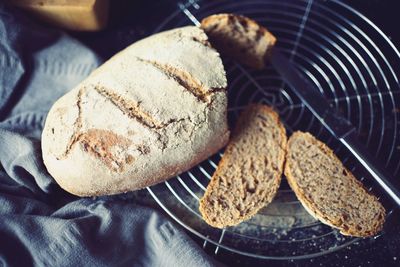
40 224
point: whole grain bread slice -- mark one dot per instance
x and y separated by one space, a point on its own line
249 173
328 191
239 37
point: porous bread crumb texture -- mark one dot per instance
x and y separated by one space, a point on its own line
239 37
249 173
328 190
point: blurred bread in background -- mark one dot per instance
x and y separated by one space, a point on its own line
77 15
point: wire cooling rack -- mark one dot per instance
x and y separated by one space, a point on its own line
352 63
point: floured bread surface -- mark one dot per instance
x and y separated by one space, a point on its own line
249 173
239 37
328 190
152 111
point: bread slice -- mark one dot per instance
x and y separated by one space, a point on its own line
249 173
328 191
239 37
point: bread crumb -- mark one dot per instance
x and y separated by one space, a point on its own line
249 174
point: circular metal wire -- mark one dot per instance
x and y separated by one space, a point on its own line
352 63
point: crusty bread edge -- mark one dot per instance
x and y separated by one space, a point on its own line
310 206
271 38
208 20
165 174
278 176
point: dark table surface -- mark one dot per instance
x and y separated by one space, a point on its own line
133 20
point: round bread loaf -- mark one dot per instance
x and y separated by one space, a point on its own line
152 111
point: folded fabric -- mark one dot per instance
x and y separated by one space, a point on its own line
40 224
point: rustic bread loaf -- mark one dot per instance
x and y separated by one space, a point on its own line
152 111
249 173
328 190
239 37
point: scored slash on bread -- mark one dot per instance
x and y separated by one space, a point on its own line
239 37
328 191
249 173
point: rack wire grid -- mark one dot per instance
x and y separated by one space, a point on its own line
354 65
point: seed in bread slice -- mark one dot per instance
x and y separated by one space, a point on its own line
239 37
328 191
249 173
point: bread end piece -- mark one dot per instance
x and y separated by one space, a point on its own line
249 173
239 37
328 191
